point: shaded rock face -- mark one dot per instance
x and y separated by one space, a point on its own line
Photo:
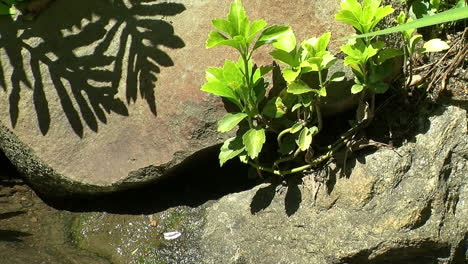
407 205
98 96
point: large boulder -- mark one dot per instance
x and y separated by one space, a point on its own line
98 96
403 205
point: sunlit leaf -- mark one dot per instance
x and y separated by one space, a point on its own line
230 121
271 34
298 87
290 75
253 140
435 45
337 77
274 108
230 149
356 88
305 139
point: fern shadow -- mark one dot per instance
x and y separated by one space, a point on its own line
84 52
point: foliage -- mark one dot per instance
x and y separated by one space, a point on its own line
293 114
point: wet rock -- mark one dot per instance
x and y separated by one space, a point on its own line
406 205
109 99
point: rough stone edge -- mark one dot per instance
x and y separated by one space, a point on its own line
49 183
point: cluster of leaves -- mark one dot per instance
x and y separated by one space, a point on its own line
423 8
293 114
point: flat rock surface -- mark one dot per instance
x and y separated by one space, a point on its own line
106 93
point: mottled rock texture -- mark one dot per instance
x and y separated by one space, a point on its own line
97 96
403 205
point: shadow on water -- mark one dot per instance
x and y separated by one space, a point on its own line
195 182
73 45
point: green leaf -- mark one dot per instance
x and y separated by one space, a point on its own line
219 89
222 25
387 54
255 27
451 15
271 34
230 149
275 108
413 43
337 77
327 61
305 139
356 88
295 107
435 45
290 75
233 76
285 57
299 87
230 121
217 39
322 42
286 42
296 128
216 85
253 140
238 19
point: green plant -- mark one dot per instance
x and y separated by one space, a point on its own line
366 56
293 115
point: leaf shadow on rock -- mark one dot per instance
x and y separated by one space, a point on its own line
265 195
73 45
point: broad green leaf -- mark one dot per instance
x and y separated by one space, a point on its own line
337 77
305 139
253 140
296 128
275 108
230 121
380 14
286 42
238 19
322 42
387 54
271 34
356 88
443 17
233 75
322 91
230 149
223 25
220 89
285 57
295 107
299 87
328 60
435 45
217 39
413 43
255 27
290 75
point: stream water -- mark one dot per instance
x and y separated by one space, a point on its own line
126 227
